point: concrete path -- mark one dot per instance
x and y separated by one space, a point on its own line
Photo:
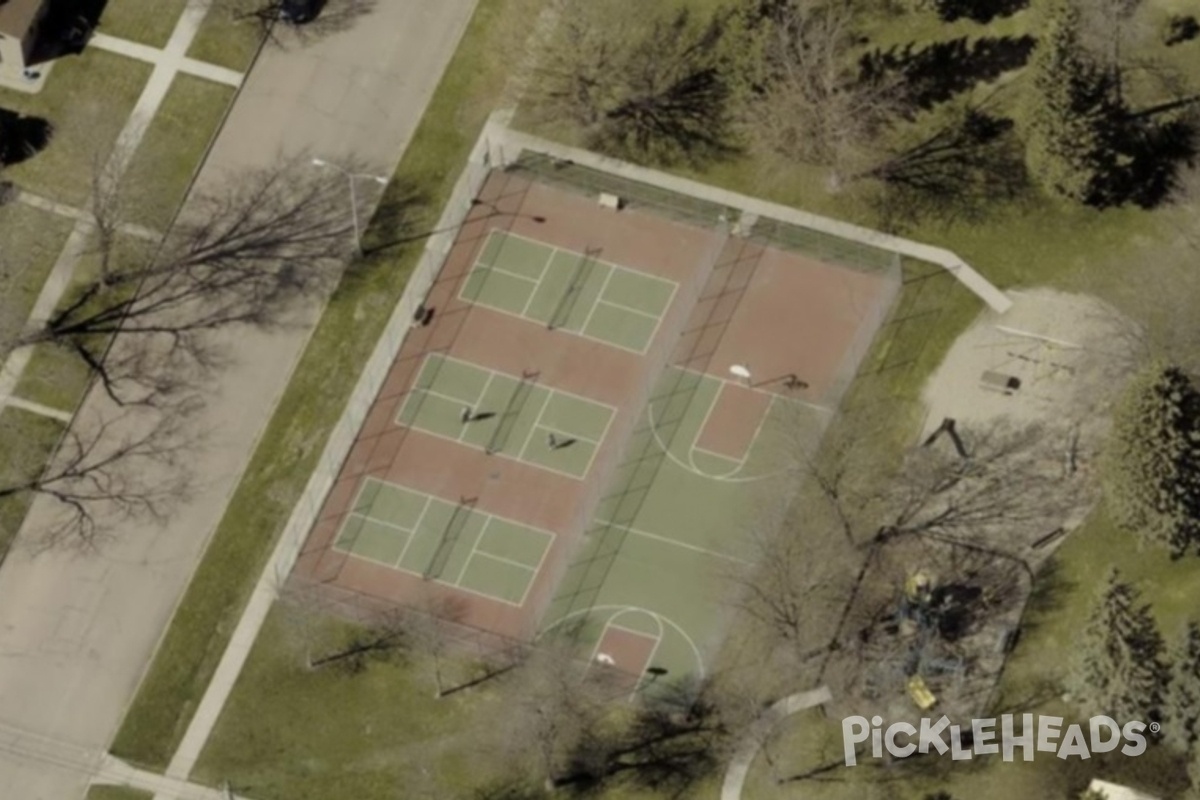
78 631
56 756
172 58
739 765
167 63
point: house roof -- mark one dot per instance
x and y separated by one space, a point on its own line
18 16
1114 791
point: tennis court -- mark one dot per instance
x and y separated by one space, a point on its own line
564 290
506 415
451 543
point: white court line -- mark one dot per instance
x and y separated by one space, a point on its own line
666 310
603 288
669 540
475 406
704 423
662 634
621 608
627 629
580 334
610 624
470 555
503 560
517 378
739 462
518 276
627 309
650 276
742 385
538 284
500 454
541 561
529 436
413 533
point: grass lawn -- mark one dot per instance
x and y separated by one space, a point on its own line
169 155
118 793
30 243
55 377
29 439
146 21
88 100
290 733
226 41
309 409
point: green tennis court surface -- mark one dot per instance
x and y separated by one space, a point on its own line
451 543
568 291
675 523
511 415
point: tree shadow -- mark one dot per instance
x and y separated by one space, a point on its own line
66 28
1148 158
22 137
981 11
940 71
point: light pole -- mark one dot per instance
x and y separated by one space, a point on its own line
351 177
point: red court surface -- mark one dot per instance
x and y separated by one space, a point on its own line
737 302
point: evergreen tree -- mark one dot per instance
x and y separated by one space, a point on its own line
1072 114
1184 698
1122 671
1151 469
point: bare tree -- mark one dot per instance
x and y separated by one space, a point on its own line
384 638
111 466
558 705
814 105
636 81
1015 483
247 255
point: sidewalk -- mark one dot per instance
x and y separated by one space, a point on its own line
79 632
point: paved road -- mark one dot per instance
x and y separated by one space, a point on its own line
76 633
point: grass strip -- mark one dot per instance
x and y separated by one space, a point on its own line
28 440
174 144
148 22
308 411
88 100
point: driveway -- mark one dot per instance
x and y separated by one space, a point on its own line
77 632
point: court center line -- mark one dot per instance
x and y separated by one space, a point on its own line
474 544
413 533
676 542
536 421
603 288
538 284
541 562
627 309
502 560
516 275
